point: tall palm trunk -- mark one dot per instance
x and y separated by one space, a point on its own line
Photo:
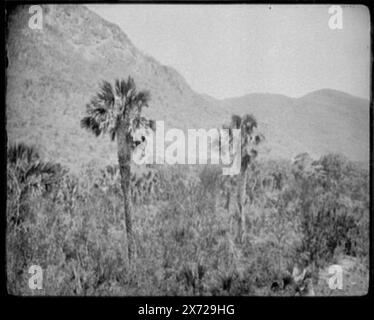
124 161
241 201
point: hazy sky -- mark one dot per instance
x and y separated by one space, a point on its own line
233 50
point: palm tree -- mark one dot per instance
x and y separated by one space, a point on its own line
249 142
117 110
28 176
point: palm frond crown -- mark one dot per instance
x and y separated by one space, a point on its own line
250 138
115 105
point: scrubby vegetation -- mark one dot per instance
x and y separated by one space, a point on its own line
194 231
306 212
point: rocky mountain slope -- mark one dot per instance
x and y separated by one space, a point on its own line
53 72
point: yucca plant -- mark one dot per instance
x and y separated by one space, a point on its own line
117 111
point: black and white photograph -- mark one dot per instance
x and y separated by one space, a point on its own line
187 150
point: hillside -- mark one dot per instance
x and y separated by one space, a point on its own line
52 73
318 123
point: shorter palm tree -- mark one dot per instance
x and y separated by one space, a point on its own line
250 139
28 176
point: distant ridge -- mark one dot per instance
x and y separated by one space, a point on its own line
320 122
334 94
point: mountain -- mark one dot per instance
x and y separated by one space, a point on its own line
52 73
320 122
